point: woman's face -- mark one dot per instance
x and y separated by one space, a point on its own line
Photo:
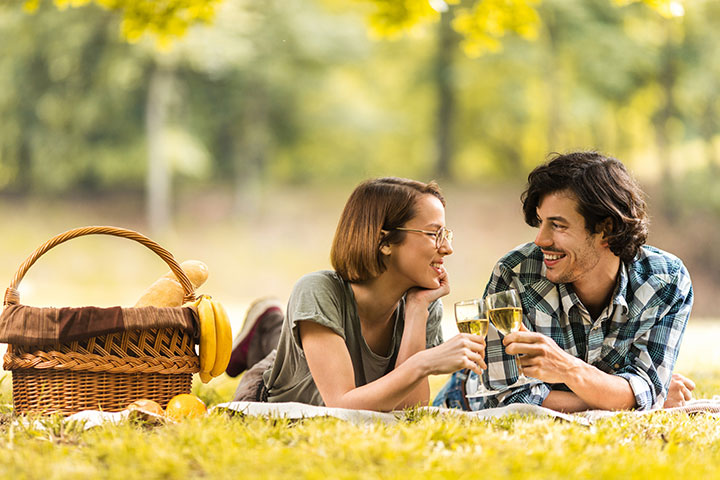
417 260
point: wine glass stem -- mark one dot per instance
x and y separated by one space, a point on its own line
521 375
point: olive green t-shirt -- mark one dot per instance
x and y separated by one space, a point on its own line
325 298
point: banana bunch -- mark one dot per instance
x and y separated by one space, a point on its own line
215 337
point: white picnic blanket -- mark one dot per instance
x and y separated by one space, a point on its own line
299 410
291 410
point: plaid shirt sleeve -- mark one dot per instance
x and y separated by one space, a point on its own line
502 368
652 355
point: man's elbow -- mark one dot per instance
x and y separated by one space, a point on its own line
629 403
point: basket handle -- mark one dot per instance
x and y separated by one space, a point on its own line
12 296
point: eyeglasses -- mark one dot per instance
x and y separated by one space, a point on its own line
440 236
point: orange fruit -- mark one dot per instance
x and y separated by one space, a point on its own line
184 406
147 406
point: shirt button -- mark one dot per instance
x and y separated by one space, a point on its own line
617 365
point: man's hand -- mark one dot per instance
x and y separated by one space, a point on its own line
541 357
679 391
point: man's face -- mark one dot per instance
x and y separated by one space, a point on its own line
570 252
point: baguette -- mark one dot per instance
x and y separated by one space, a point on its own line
167 291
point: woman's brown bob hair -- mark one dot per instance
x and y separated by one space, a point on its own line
604 191
371 215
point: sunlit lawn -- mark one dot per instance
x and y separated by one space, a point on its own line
423 446
659 446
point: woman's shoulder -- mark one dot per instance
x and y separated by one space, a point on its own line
321 297
320 281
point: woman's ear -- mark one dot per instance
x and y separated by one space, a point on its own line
385 248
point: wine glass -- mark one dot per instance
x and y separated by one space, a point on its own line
471 317
505 313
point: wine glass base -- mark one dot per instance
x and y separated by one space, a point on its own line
486 393
521 381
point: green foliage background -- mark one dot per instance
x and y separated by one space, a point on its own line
255 99
295 91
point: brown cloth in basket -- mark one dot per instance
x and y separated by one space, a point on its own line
25 325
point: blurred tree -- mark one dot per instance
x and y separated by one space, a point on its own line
699 95
71 99
594 68
294 92
481 24
477 26
444 81
249 82
158 178
663 117
164 20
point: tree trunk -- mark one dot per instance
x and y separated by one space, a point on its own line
158 173
554 118
709 129
23 182
250 152
661 120
444 58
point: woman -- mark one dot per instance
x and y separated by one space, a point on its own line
367 335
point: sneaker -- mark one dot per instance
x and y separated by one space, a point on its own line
262 310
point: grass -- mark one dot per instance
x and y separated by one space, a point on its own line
656 446
423 445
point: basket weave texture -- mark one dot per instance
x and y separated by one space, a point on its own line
104 372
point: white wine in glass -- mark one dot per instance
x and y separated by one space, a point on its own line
471 317
506 319
505 313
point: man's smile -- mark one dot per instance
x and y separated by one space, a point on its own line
552 258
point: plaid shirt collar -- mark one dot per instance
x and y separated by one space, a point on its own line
569 299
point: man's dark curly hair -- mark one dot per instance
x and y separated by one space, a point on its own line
604 190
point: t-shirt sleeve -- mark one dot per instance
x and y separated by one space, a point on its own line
316 297
434 336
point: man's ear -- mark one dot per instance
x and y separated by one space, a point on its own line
605 228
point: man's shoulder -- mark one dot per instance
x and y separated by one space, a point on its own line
657 267
526 257
651 261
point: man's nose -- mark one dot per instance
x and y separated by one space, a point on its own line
543 237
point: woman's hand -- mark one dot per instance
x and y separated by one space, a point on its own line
426 296
464 350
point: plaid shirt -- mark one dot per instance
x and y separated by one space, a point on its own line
636 337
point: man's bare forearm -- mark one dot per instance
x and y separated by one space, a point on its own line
598 389
566 402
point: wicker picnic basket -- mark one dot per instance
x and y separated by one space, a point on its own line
108 371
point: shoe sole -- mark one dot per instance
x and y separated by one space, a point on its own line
254 313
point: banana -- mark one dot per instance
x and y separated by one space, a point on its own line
223 335
207 336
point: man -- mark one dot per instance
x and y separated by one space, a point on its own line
604 315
